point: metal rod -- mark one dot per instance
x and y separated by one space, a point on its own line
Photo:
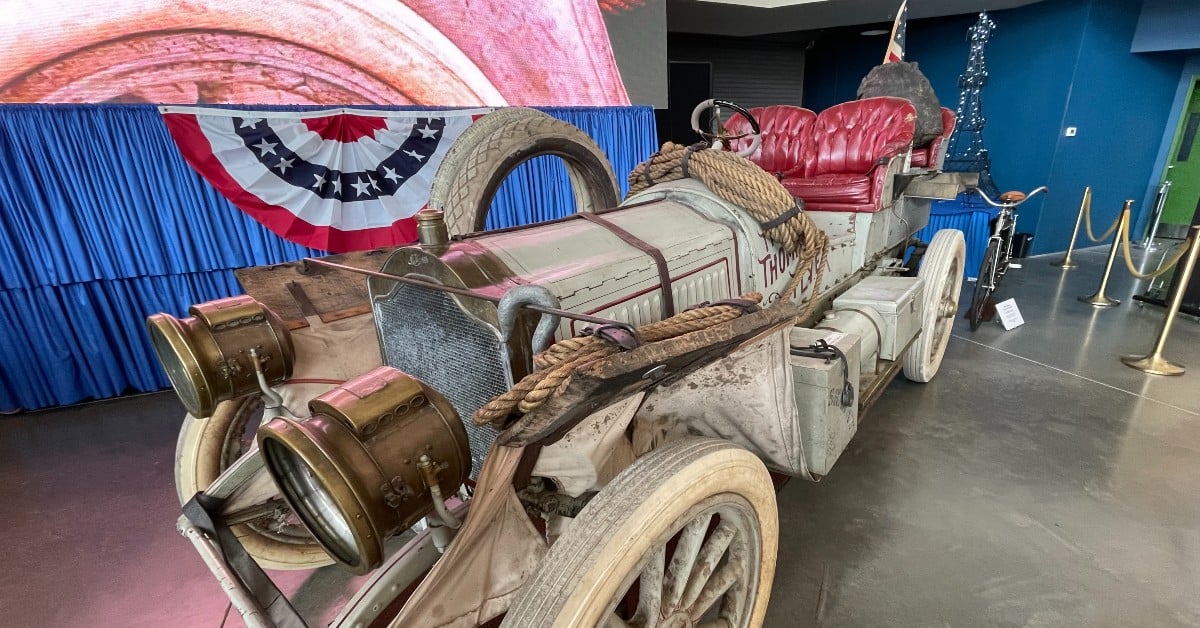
466 292
1065 263
1160 202
1155 363
1100 299
1158 212
239 597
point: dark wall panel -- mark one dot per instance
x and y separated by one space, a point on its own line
751 72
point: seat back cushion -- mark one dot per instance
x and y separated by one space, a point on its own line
784 131
852 137
949 120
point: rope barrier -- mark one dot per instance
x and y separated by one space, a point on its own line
739 181
1163 268
1087 222
560 361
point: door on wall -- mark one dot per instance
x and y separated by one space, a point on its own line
1183 165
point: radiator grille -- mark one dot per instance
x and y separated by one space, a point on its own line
425 334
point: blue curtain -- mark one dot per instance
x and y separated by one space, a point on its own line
102 223
969 215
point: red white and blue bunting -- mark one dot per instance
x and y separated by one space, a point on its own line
337 180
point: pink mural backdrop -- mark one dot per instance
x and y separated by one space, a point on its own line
322 52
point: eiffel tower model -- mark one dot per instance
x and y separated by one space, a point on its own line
966 152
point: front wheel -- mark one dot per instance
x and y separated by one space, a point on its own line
208 446
686 536
984 283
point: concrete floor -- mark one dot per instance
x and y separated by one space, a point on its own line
1035 482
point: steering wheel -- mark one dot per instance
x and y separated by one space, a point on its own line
719 138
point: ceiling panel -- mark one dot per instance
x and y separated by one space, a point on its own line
744 18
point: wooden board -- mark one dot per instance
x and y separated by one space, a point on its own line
297 289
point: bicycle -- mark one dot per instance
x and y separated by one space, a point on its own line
998 257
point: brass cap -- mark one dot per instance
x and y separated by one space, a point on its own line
431 228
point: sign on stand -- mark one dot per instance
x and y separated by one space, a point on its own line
1010 315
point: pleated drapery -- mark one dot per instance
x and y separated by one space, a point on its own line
972 218
103 223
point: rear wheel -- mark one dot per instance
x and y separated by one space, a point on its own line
942 270
984 284
686 536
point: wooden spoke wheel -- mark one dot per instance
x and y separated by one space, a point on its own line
942 270
685 537
206 447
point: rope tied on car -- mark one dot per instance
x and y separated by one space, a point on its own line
561 360
741 182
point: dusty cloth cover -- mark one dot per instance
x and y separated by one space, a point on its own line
905 80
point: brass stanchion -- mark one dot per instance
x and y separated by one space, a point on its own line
1100 299
1155 363
1066 263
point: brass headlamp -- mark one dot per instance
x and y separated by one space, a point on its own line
210 355
352 471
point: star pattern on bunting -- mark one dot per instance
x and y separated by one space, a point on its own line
266 148
378 177
360 187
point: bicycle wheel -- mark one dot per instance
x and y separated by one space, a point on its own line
984 284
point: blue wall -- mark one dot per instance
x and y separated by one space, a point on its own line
1052 64
1167 25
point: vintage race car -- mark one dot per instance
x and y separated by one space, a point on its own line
571 423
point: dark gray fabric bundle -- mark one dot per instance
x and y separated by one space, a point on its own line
905 80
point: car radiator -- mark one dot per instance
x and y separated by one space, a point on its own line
425 334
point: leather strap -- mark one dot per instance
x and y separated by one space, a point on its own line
202 511
784 217
664 273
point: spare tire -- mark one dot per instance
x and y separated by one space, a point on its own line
447 172
905 80
467 186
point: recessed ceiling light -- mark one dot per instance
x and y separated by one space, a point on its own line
874 32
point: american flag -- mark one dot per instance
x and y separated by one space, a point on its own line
895 50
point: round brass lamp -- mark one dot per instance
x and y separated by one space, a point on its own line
351 470
208 355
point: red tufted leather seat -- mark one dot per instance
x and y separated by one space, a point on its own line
784 134
849 149
933 155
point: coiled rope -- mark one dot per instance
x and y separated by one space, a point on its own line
739 181
559 362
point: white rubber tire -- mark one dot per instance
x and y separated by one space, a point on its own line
942 270
470 183
198 456
605 547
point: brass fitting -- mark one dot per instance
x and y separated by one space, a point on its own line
431 230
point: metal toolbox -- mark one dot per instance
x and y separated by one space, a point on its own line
898 300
